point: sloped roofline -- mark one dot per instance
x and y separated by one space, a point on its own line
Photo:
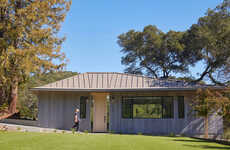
114 81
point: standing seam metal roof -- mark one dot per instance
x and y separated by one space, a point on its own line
114 80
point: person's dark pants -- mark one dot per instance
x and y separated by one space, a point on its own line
76 126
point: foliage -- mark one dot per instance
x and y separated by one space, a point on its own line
29 41
86 131
210 39
160 54
172 134
154 52
28 101
203 103
209 101
73 130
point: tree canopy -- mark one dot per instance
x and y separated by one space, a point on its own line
154 52
29 41
160 54
208 102
211 38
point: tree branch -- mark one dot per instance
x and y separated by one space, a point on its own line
214 80
206 71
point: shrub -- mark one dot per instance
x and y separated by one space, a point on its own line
86 131
226 134
3 107
139 133
18 128
111 131
73 130
63 131
55 131
172 134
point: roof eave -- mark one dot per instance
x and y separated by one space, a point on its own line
121 90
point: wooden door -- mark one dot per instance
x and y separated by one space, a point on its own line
100 113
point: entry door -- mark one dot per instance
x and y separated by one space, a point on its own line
100 113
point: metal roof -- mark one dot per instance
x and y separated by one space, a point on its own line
113 81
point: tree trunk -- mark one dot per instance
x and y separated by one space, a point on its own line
14 96
206 127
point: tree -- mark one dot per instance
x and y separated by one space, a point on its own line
154 52
29 41
209 101
203 106
210 38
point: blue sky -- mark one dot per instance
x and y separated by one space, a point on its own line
92 28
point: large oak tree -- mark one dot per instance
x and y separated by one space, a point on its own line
160 54
29 42
211 38
154 52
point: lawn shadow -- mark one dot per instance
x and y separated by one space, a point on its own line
209 147
193 140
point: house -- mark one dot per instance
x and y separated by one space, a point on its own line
122 103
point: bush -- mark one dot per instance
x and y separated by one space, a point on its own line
18 128
226 134
73 130
3 107
55 131
86 131
139 133
63 132
172 134
111 131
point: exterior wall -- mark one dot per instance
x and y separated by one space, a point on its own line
187 126
56 110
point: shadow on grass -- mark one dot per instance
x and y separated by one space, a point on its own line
193 140
209 147
224 147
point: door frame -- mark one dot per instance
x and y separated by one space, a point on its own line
98 126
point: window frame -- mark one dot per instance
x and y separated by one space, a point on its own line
133 98
83 103
181 112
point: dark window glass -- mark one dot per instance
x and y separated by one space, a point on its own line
181 107
83 100
167 107
127 109
147 107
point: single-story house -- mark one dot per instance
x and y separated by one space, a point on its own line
123 103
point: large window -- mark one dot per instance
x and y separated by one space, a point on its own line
181 107
83 100
147 107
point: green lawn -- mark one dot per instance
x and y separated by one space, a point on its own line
59 141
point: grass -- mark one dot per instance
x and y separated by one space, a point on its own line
58 141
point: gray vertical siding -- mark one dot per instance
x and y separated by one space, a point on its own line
190 125
56 110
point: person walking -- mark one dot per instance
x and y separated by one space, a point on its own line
76 120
